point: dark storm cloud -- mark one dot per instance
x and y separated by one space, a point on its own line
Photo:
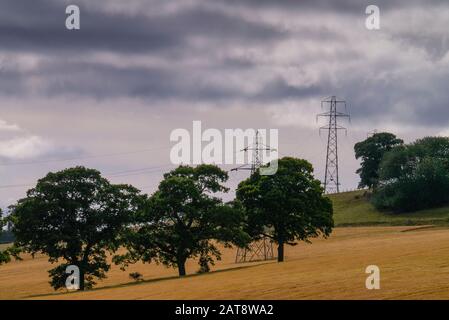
215 50
238 63
11 82
140 68
337 7
347 6
436 45
104 81
40 26
279 89
401 101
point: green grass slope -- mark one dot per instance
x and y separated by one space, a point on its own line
353 209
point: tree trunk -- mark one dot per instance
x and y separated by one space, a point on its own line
82 287
182 268
281 251
84 263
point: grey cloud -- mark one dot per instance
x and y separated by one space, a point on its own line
400 101
279 89
245 54
336 7
436 45
11 82
40 26
104 81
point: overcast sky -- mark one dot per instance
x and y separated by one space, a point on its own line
108 95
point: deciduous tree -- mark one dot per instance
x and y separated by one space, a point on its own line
184 219
288 206
371 152
76 216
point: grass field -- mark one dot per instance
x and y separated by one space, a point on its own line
352 209
414 264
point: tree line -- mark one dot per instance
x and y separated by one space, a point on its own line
404 177
77 217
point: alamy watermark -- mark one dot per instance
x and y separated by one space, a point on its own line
72 22
72 282
372 22
373 280
211 146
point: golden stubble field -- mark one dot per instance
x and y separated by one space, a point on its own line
414 264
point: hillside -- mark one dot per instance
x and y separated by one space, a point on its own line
353 209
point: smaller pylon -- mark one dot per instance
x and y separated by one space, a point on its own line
262 249
257 147
257 251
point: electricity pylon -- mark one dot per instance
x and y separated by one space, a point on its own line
262 249
331 179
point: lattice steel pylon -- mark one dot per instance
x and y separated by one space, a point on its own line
263 248
331 178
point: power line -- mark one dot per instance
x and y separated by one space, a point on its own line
7 164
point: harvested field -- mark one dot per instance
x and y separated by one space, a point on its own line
413 264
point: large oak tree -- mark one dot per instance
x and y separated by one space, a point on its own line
76 216
288 206
184 219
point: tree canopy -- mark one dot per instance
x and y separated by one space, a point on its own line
415 176
371 151
75 215
183 219
288 206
